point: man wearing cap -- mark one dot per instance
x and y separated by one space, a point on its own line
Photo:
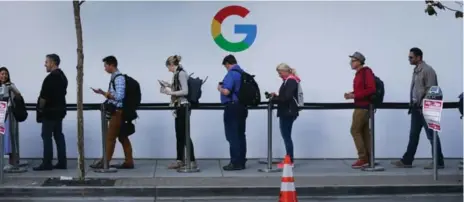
363 87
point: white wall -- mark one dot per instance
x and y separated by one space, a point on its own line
313 37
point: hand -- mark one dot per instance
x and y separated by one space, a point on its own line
219 88
98 91
349 96
165 83
165 90
273 94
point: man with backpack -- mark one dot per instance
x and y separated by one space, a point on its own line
118 110
235 113
363 88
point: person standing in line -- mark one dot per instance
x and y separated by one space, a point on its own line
235 114
363 88
178 90
287 106
423 77
51 112
114 107
9 93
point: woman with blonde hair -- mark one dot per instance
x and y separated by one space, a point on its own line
178 90
287 104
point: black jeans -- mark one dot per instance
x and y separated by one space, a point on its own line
285 125
53 128
235 127
417 123
180 124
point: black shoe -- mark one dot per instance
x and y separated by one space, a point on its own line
60 166
232 167
43 167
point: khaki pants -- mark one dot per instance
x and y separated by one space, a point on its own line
114 128
361 134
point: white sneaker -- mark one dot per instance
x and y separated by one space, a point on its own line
8 167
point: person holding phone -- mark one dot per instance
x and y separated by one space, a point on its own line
178 90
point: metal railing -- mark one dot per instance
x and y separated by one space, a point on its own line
20 166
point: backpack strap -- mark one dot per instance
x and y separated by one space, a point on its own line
112 82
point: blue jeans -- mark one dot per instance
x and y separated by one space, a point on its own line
235 126
286 124
417 123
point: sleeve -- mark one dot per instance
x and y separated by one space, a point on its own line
183 80
47 88
120 88
290 87
430 78
14 89
228 82
369 82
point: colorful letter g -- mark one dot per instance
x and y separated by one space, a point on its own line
249 30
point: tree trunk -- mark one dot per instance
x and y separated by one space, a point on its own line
79 78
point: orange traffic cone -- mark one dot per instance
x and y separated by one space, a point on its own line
287 188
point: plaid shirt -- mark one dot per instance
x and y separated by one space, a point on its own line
119 92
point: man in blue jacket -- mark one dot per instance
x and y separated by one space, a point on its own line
235 114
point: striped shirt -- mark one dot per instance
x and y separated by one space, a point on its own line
118 92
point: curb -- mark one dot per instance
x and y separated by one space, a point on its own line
223 191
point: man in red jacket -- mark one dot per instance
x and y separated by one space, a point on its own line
363 88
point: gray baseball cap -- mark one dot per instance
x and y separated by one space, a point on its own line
358 56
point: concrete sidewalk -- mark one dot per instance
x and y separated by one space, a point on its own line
151 178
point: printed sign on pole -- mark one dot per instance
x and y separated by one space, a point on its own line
3 111
431 109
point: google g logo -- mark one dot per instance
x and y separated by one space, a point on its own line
249 30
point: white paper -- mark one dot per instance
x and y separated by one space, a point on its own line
3 111
432 109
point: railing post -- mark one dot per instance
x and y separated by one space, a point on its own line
372 167
14 141
104 127
269 168
187 168
269 160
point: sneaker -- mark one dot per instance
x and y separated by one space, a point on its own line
8 167
193 165
430 166
176 165
359 164
400 164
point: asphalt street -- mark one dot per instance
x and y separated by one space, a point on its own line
410 198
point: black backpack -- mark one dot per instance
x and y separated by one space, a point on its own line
194 88
19 109
249 93
377 97
132 98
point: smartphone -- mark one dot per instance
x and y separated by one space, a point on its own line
220 83
161 83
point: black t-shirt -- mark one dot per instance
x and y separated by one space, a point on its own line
54 93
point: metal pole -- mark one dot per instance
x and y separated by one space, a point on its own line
269 162
14 143
373 167
187 168
435 156
21 163
104 127
2 159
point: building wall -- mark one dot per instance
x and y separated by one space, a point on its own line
313 37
